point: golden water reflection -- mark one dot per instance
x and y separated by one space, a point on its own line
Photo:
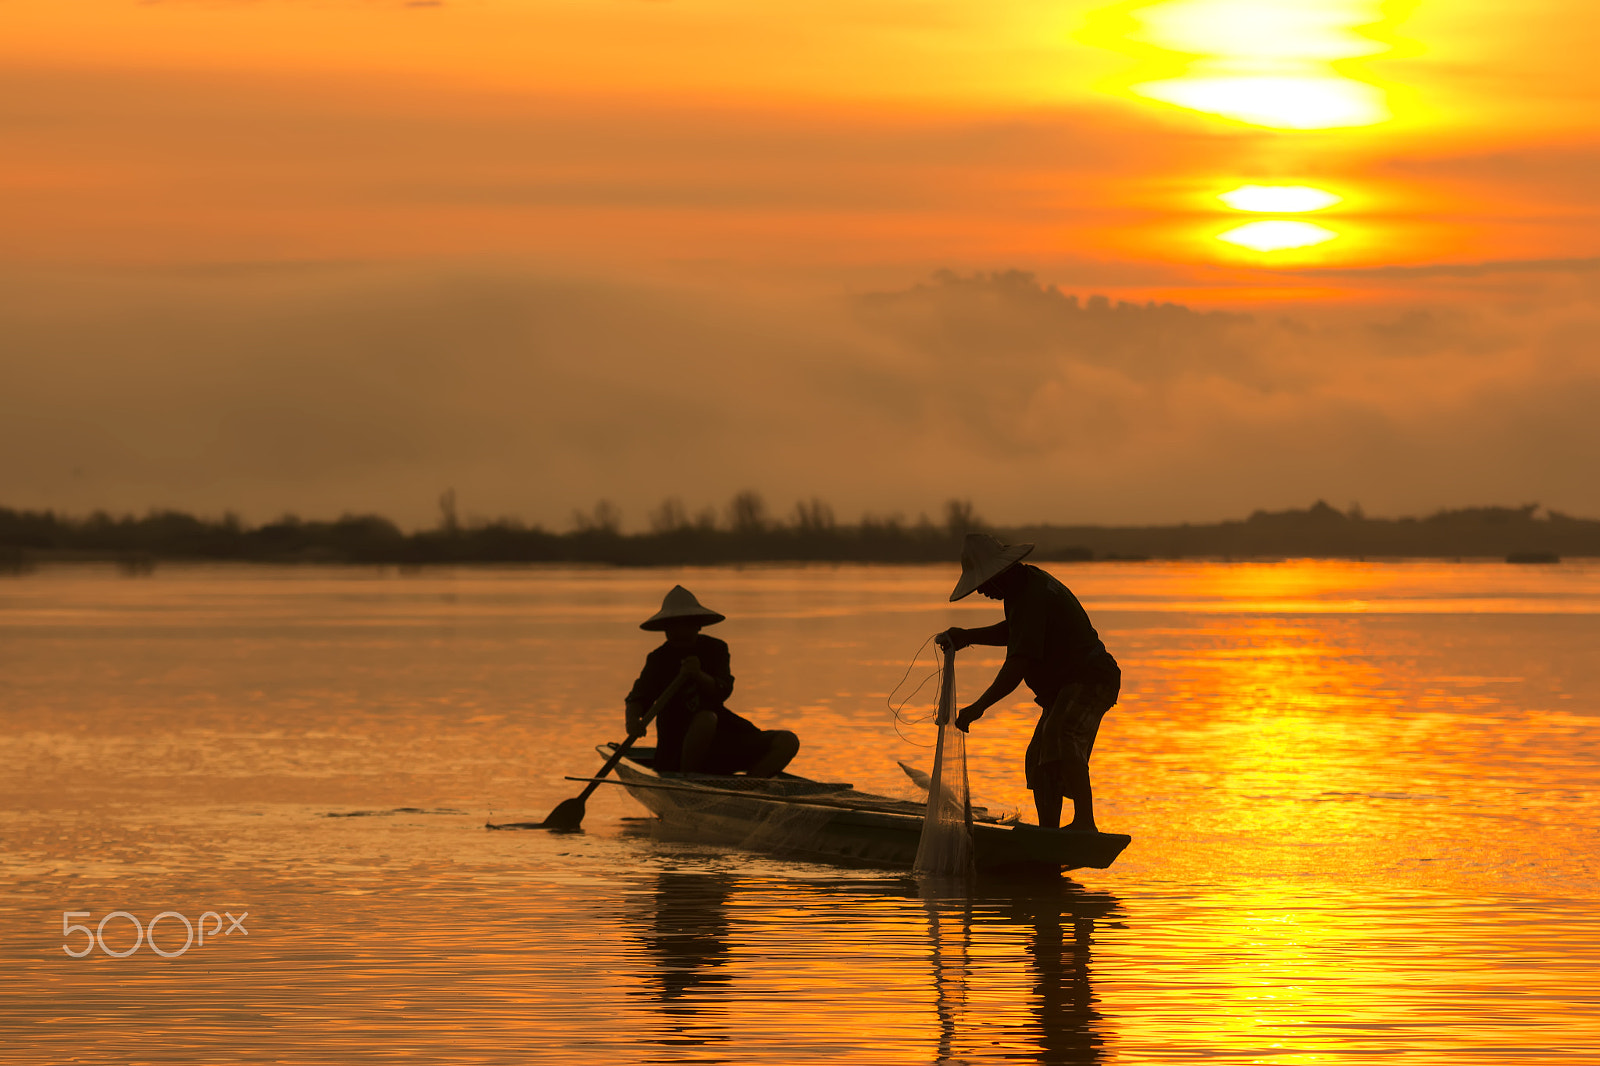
620 955
1363 800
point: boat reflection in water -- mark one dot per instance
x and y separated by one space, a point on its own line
747 963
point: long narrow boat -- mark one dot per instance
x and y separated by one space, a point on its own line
797 816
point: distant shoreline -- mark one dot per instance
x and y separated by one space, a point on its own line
1519 534
138 566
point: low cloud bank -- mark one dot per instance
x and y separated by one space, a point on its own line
332 389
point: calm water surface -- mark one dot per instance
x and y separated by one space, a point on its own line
1365 803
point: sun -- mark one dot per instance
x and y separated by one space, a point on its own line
1289 103
1279 199
1276 235
1282 64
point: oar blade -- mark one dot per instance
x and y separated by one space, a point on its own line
567 816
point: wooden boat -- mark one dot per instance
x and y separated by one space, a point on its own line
827 820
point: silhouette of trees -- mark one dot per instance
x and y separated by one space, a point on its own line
448 523
747 513
749 533
813 518
960 518
1323 531
605 520
670 516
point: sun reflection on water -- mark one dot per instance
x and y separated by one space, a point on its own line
1362 797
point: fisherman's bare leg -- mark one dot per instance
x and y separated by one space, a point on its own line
697 742
782 747
1081 793
1048 804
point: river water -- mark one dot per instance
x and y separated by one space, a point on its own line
1364 801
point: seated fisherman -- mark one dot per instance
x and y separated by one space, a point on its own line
695 733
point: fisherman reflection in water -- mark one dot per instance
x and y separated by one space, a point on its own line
685 937
1062 926
695 732
1051 645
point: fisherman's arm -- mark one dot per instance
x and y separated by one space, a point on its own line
717 676
639 698
1003 685
653 682
955 638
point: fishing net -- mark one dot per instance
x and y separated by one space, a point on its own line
787 827
945 849
760 826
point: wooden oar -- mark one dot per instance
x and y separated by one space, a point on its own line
568 814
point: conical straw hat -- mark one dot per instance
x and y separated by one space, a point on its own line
681 604
983 557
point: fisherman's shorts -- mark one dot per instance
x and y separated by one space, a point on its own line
1065 733
739 744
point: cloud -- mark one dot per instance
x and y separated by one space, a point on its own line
1489 268
338 387
1551 175
1405 410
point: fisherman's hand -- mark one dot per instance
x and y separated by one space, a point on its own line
634 716
706 685
966 716
952 639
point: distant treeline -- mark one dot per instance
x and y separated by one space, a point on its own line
747 533
1324 531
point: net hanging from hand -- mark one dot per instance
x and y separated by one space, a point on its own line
945 849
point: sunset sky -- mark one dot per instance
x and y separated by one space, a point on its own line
330 255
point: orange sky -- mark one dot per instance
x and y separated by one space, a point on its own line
873 138
821 147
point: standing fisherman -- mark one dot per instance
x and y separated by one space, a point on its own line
1051 645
